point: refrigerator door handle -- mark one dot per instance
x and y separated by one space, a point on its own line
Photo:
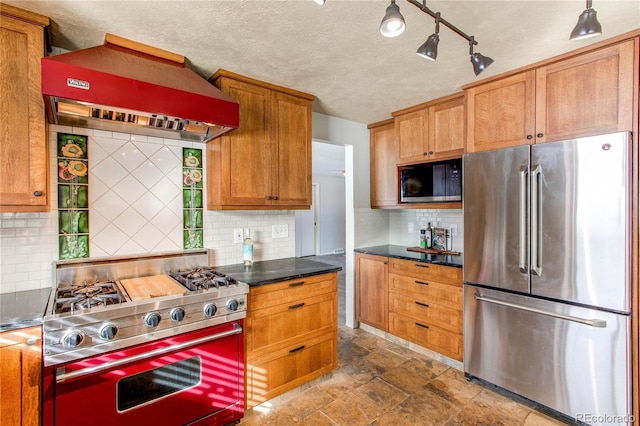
592 322
523 240
536 268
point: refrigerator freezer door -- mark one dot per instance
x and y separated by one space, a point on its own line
496 229
572 359
580 221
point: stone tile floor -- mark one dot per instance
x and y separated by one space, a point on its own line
380 383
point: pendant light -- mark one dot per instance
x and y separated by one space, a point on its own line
587 26
429 50
392 24
479 61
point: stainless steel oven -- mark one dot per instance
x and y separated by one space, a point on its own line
171 360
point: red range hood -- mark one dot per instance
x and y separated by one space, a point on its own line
129 87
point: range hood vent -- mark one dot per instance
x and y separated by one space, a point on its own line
129 87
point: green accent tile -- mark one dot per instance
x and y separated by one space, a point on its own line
192 218
73 197
192 178
73 171
192 199
73 222
72 146
193 238
192 157
73 246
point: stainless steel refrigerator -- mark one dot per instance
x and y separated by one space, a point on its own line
547 273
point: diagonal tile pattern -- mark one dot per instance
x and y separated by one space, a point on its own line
379 383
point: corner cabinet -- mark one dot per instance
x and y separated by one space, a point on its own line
291 335
23 139
431 131
384 173
266 162
589 93
21 376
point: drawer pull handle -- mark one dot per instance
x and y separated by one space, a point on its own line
422 282
299 305
422 325
422 304
299 348
420 265
296 284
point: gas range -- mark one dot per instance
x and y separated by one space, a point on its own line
90 311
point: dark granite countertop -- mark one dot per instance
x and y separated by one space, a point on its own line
401 252
270 271
23 309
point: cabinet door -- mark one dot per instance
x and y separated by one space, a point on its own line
291 173
23 141
246 152
446 129
500 113
412 137
372 290
585 95
384 173
20 376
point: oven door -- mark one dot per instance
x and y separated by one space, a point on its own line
195 377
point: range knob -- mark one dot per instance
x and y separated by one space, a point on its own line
232 305
152 319
177 314
72 339
108 331
210 309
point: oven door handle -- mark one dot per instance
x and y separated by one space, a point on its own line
61 376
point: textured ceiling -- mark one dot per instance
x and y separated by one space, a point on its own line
335 51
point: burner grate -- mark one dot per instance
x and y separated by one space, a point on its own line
203 278
73 297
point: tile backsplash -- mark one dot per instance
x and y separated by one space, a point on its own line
135 207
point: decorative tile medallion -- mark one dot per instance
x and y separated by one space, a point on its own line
192 198
73 197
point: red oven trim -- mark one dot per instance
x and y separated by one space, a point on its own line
173 347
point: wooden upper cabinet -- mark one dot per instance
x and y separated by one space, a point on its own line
384 173
266 162
501 113
23 139
588 93
446 128
430 131
585 95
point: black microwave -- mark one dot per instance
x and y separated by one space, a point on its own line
431 182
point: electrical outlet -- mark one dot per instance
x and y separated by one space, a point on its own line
453 228
238 236
411 227
280 231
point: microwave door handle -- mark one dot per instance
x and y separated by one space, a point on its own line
524 204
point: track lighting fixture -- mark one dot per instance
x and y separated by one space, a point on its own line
587 26
393 25
429 50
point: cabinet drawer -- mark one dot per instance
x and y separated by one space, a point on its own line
291 291
283 370
282 325
443 274
428 336
431 291
426 312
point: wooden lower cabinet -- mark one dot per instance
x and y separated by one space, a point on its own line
372 290
21 376
291 335
425 305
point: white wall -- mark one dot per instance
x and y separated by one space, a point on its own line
332 213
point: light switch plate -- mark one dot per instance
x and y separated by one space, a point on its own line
238 236
280 231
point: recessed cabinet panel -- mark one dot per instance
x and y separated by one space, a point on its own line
384 173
